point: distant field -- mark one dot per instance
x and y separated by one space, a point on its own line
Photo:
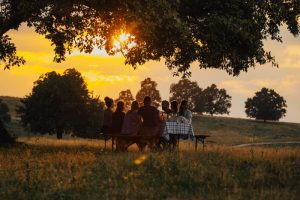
45 168
223 130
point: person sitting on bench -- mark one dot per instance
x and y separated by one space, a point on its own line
151 121
107 116
131 125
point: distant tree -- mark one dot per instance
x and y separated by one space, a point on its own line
127 97
60 104
5 138
217 101
185 90
148 88
266 105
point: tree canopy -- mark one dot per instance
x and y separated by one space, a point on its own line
148 88
61 104
215 101
5 137
185 90
266 105
127 97
220 34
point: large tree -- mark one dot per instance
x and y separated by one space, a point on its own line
60 104
185 90
218 34
148 88
127 97
216 101
266 105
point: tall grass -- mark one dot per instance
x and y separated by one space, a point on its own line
78 169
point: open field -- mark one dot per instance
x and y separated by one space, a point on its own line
41 167
45 168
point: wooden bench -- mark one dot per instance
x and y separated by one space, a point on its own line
134 138
113 137
200 138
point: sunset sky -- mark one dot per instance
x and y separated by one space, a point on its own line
107 76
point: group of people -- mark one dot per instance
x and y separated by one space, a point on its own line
145 120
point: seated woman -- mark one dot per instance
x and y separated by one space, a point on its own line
174 111
131 125
107 116
185 115
118 118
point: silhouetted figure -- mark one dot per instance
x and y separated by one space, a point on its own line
118 118
151 121
166 110
107 118
185 113
131 126
174 111
132 120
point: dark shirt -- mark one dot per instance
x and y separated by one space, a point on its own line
117 121
132 122
150 116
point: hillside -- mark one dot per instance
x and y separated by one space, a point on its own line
223 130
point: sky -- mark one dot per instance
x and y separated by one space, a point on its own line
108 75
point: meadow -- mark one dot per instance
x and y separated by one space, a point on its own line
42 167
45 168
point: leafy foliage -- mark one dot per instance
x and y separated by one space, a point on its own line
148 88
226 35
4 112
217 101
61 104
127 97
266 105
185 90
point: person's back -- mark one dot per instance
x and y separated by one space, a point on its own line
118 118
132 120
150 116
107 116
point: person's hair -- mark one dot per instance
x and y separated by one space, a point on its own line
120 106
147 100
134 105
108 102
181 109
174 106
166 103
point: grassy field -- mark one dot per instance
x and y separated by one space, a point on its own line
43 168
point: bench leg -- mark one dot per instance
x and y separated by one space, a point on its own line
105 143
196 143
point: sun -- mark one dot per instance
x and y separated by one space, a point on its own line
124 40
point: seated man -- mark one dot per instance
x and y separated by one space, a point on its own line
151 121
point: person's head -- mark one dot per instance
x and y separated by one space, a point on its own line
183 107
147 101
120 106
165 105
174 106
108 102
134 105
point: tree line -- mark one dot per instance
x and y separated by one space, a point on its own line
61 103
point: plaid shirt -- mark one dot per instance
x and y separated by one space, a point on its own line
184 130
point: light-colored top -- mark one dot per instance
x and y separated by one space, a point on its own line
188 115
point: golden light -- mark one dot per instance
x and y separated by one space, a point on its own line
123 40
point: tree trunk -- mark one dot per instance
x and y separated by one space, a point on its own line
59 134
5 138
